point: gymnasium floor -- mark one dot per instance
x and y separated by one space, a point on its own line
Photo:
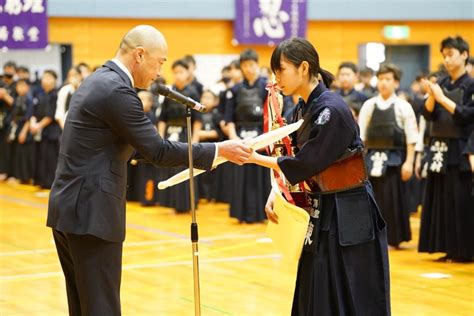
241 274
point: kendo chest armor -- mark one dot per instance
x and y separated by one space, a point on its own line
208 122
353 102
383 131
249 110
443 126
20 108
176 114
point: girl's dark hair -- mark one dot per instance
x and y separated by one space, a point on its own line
296 50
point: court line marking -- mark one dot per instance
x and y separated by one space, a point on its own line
42 275
206 240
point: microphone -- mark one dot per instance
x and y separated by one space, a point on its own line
178 97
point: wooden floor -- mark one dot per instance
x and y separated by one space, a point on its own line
241 274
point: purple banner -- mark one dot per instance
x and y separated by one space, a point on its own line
269 21
23 24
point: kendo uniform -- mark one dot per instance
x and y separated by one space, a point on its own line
344 268
468 152
5 118
354 99
385 132
143 177
448 208
224 181
250 183
23 155
198 87
369 91
208 181
47 140
414 186
174 115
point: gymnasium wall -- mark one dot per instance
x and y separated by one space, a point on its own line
95 40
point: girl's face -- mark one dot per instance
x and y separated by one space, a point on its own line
290 78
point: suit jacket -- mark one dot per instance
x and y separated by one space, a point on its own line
105 123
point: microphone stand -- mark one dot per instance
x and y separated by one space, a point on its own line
194 226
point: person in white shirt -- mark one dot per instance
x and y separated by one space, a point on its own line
73 81
389 130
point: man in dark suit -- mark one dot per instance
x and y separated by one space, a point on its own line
105 124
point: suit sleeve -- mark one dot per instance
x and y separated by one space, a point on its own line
124 113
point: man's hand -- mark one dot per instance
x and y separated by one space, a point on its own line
407 170
22 137
234 151
426 86
34 128
437 92
418 166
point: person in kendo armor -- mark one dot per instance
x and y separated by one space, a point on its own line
347 77
172 125
447 218
343 268
21 141
46 131
7 97
142 175
389 130
208 182
244 118
224 191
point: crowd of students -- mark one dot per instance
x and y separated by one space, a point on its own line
419 142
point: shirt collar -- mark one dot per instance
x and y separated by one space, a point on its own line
124 69
391 100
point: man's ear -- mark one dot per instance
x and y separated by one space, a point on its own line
139 54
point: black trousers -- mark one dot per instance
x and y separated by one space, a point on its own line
92 268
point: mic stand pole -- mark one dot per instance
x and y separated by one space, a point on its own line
194 226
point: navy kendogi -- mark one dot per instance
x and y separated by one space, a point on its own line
251 183
208 182
354 99
23 155
5 118
448 209
143 176
174 115
47 141
344 268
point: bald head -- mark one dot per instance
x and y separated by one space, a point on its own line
145 36
143 52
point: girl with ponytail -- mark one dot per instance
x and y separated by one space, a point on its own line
343 268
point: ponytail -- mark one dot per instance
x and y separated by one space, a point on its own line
326 76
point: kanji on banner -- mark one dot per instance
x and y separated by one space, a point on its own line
23 24
269 21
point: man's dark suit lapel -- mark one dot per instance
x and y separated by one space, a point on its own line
113 66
